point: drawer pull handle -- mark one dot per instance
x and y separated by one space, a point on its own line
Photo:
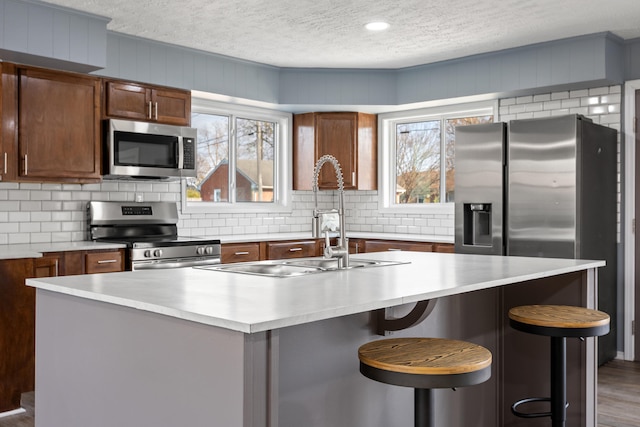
394 249
295 249
107 261
242 253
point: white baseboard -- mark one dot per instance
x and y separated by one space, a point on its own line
12 412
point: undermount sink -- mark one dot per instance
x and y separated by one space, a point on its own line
332 264
292 268
265 269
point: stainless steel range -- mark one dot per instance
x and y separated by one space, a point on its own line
150 232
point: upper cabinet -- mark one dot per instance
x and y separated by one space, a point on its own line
8 121
136 101
50 125
349 137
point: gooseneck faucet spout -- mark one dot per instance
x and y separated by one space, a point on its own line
324 221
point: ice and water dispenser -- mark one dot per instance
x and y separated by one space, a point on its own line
477 224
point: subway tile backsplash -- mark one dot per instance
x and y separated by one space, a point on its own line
34 213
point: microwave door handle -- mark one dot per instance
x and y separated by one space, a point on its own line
180 152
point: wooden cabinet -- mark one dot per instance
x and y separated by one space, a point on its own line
48 266
58 126
8 122
136 101
81 262
372 245
17 311
17 332
350 137
292 249
356 246
444 247
103 262
240 252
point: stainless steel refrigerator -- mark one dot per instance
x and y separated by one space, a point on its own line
541 187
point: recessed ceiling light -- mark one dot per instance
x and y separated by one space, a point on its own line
377 26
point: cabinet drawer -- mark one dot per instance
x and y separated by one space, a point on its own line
389 245
298 249
240 252
103 262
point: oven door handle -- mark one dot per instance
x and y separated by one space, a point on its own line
153 265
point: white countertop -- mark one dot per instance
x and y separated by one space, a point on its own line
35 250
249 303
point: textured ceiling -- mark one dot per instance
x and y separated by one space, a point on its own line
331 34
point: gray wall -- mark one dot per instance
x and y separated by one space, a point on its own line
43 34
569 64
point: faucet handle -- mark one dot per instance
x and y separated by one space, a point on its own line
328 251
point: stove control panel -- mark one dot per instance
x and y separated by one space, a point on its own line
176 252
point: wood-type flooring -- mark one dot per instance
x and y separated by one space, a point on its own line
618 398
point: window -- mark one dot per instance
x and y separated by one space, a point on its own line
418 152
243 153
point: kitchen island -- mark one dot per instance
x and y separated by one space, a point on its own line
196 347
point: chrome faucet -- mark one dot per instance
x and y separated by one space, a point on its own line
324 221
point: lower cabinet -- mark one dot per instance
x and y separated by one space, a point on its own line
394 245
256 251
240 252
17 331
17 311
103 262
292 249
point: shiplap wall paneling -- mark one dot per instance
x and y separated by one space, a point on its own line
53 36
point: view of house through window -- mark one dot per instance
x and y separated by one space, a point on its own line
230 146
425 159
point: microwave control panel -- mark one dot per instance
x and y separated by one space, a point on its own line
189 160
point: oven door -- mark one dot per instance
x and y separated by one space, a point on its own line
173 263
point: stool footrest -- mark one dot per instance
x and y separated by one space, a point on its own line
514 407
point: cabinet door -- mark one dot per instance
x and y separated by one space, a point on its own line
297 249
8 128
240 252
59 126
356 246
128 101
336 134
171 106
17 332
147 103
50 265
349 137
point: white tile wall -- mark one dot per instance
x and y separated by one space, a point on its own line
32 213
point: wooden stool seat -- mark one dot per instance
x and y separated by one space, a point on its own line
558 322
425 364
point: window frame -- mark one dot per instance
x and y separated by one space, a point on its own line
282 179
387 123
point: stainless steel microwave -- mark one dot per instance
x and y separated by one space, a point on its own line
148 150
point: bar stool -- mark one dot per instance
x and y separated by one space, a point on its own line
425 364
558 322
